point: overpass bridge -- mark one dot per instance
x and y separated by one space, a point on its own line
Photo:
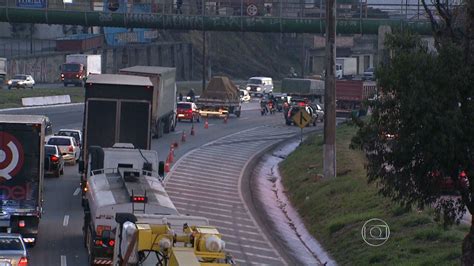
220 15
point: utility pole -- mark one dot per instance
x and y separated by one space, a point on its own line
203 60
329 157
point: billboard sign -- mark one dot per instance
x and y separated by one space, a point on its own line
32 3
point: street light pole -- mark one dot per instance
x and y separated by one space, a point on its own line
329 157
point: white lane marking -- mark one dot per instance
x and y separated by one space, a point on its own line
63 260
76 192
66 220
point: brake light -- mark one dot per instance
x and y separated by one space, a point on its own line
71 149
54 158
21 223
23 261
111 243
101 228
190 111
99 243
139 199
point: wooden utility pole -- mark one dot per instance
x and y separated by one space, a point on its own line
329 163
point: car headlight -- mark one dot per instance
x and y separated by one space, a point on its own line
259 88
9 82
248 88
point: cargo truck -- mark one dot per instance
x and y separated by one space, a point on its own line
346 67
117 109
21 174
78 67
351 94
164 96
312 89
220 98
121 179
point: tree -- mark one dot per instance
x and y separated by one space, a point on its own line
420 136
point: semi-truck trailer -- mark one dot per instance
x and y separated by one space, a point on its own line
21 174
164 96
220 98
117 109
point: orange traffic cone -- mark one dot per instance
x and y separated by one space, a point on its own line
167 167
170 157
183 137
225 119
192 130
206 124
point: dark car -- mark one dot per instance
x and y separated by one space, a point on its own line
12 250
53 161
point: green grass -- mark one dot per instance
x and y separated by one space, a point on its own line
334 211
12 98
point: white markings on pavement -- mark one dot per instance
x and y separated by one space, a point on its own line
65 220
63 260
76 192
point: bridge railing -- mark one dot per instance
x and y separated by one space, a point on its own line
410 10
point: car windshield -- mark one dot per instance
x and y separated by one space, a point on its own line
22 77
71 67
50 150
70 134
10 244
254 81
59 141
184 106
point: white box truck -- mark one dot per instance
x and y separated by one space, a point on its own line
78 67
346 67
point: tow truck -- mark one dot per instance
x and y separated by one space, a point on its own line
173 239
121 179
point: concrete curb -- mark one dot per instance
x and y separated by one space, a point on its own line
45 100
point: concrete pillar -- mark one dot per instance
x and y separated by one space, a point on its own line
382 53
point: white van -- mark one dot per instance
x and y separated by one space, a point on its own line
259 86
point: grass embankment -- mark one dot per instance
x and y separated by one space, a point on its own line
334 211
12 98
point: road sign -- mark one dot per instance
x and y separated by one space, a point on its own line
302 118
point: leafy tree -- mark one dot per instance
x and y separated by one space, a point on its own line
420 136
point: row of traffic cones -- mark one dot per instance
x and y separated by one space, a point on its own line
170 158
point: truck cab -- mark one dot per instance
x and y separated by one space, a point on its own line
73 73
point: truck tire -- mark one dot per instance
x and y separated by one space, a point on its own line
57 173
167 126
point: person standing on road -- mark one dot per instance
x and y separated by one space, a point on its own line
192 95
180 97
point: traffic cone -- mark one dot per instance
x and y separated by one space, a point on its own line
225 119
183 137
167 167
206 124
170 157
192 130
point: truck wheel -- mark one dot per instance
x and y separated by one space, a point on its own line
57 173
89 247
167 126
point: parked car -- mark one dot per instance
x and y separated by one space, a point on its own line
12 250
244 96
188 111
68 147
21 82
53 160
75 133
294 109
368 74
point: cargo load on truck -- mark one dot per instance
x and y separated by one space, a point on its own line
220 98
117 109
21 174
351 94
346 67
164 96
78 67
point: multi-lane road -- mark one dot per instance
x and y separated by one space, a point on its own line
206 180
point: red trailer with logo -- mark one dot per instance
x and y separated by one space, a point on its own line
21 174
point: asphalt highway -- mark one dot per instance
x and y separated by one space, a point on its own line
60 240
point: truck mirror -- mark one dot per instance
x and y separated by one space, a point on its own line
161 168
81 166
